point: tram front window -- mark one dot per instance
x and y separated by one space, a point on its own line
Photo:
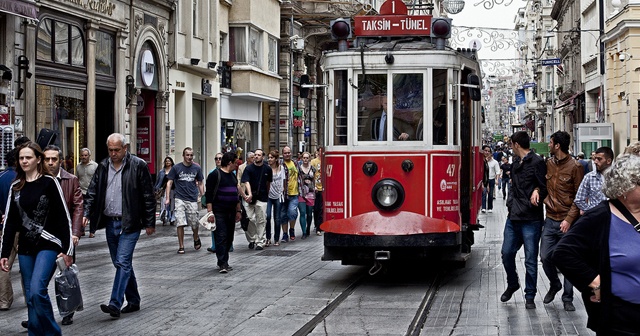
408 107
382 117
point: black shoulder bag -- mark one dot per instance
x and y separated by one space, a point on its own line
623 209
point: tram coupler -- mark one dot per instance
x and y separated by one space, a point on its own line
382 255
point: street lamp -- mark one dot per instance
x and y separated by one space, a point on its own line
453 6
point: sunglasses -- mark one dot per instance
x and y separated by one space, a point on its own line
218 158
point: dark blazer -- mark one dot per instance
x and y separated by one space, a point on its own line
371 129
138 199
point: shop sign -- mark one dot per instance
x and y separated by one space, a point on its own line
206 87
99 6
147 67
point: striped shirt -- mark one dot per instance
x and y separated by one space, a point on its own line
590 191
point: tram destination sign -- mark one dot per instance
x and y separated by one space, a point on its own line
392 25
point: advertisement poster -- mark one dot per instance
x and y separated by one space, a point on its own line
144 138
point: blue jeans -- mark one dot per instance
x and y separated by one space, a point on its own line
275 204
505 183
551 235
306 216
516 234
487 195
36 274
289 212
121 245
224 233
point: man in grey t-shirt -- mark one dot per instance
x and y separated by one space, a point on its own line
84 172
188 180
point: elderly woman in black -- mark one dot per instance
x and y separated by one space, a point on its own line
37 210
600 254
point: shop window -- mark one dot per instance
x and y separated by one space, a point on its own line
104 53
60 42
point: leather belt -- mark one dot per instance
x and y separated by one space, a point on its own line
114 219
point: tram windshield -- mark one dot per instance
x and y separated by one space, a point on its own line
392 107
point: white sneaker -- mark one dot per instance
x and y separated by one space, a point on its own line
490 210
483 210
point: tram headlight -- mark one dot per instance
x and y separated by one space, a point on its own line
387 195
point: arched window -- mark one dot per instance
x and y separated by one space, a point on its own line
60 42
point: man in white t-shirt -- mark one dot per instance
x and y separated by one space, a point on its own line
494 174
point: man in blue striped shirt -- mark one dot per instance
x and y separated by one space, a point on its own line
590 191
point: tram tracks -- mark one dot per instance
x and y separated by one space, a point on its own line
434 281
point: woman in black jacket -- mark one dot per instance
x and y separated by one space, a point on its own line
600 254
37 210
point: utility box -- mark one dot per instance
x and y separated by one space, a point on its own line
591 136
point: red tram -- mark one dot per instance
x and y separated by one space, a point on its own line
402 163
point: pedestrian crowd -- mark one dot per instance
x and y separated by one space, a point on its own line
580 217
46 209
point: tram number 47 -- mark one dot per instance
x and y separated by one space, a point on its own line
329 168
451 169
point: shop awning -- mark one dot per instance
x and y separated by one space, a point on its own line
568 101
22 8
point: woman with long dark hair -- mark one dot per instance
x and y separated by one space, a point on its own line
37 210
167 213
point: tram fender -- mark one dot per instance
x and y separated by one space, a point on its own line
384 224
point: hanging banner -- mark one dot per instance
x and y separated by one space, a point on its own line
520 97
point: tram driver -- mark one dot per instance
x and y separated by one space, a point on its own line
376 128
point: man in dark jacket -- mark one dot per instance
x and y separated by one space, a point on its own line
120 198
525 217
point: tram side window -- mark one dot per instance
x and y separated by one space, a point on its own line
440 106
340 121
408 107
372 98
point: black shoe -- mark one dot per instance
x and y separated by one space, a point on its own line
67 320
130 308
506 296
530 304
252 245
568 306
551 294
211 250
111 310
25 324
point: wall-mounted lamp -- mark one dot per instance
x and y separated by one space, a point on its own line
131 88
211 65
23 64
195 61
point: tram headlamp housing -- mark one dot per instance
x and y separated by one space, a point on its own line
387 195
